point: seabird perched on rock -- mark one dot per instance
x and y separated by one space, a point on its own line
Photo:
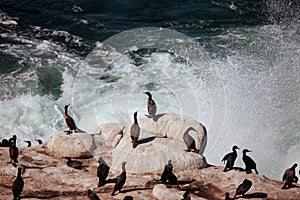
13 139
243 188
135 131
186 196
102 172
249 163
151 106
74 163
121 179
92 196
18 185
172 179
169 176
69 120
5 143
13 153
28 143
39 141
168 167
289 177
230 159
227 197
189 141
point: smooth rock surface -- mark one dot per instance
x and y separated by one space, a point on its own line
74 145
154 150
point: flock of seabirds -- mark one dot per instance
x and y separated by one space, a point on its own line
167 177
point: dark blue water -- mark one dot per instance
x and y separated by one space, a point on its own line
245 89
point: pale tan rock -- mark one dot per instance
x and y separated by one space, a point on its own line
154 150
74 145
173 126
111 133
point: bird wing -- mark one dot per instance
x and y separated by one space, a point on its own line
135 131
226 157
284 175
151 107
70 123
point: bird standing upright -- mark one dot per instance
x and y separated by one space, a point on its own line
230 159
121 179
102 172
13 152
168 167
151 105
249 163
135 131
69 120
289 177
18 185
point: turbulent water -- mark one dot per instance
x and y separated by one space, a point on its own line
234 66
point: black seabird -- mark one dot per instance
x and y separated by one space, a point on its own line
289 177
249 163
74 163
186 196
168 167
135 131
92 196
230 159
121 179
189 141
227 197
28 143
102 172
151 105
243 188
18 185
69 120
39 141
13 153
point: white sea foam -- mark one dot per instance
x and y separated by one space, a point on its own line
249 98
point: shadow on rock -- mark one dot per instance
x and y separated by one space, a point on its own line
256 195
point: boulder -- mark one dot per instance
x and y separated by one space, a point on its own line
110 133
74 145
161 140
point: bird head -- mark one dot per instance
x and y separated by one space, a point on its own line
123 166
149 94
246 150
235 147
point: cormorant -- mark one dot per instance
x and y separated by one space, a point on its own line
121 179
151 105
69 120
249 163
230 159
135 131
102 172
243 188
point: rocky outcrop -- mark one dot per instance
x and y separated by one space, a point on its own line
74 145
48 176
161 140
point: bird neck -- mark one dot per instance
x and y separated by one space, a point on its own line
19 173
123 168
135 119
66 110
